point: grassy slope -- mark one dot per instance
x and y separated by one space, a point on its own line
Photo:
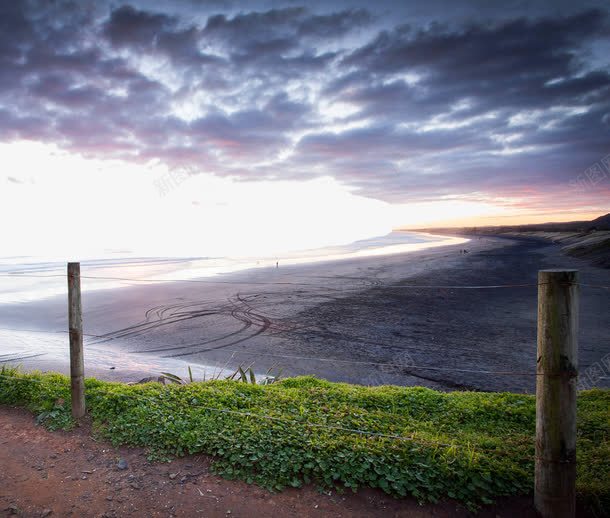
490 435
592 246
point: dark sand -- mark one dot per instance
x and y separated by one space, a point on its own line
354 320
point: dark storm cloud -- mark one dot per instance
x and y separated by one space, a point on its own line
475 49
278 42
523 66
129 26
509 65
403 106
279 24
155 33
335 24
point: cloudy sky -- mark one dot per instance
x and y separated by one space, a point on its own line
321 114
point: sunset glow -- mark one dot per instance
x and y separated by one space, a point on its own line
310 126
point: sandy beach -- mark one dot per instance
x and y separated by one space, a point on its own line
361 320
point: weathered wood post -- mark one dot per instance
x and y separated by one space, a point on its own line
557 368
75 323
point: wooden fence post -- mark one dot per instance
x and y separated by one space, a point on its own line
557 368
75 322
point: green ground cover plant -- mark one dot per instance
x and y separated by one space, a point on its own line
471 446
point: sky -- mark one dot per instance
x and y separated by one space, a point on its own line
145 123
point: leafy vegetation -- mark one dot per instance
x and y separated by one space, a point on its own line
243 374
464 445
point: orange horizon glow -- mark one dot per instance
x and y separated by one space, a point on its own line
138 207
515 219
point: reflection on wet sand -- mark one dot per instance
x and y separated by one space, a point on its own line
50 351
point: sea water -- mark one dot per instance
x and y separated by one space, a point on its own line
29 278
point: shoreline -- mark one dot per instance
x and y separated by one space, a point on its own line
45 278
342 321
44 321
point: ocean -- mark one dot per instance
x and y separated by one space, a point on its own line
30 278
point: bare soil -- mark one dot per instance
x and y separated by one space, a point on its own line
46 473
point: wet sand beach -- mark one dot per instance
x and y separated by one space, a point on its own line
396 319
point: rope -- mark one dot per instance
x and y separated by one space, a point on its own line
332 360
19 358
286 283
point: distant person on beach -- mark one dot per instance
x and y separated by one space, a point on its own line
277 264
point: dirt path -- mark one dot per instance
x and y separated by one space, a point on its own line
61 474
